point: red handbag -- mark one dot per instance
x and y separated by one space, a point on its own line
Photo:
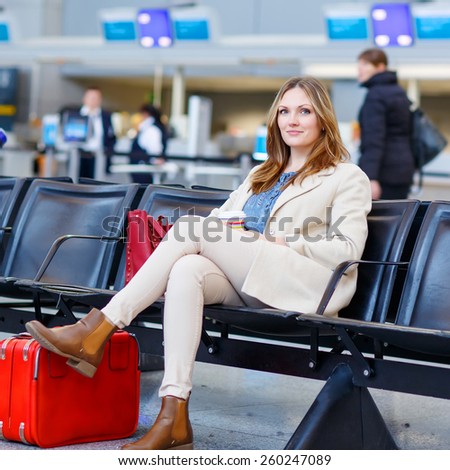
144 233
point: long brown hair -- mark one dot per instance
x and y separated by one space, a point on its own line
326 152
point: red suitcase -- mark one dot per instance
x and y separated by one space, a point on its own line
44 402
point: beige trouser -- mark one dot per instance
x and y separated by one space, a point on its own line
199 262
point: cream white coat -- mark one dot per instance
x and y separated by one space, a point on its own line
324 222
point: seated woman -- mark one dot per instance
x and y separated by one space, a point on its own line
307 208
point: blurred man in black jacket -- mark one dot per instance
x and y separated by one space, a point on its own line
102 132
385 123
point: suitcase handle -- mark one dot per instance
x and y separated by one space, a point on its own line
7 340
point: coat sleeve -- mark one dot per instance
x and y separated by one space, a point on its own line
345 230
228 204
373 136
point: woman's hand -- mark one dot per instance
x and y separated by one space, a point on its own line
376 189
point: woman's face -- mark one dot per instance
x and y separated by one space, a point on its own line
298 121
367 70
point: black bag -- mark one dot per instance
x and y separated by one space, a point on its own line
427 140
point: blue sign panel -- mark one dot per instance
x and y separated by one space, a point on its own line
119 31
433 27
351 28
4 32
191 30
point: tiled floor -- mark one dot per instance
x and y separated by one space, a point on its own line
238 409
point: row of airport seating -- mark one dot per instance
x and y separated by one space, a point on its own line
58 232
63 248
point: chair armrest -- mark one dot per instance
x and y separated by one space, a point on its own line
340 271
59 241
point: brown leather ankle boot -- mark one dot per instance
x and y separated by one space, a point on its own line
83 343
171 430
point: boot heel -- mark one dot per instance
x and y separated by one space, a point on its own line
83 367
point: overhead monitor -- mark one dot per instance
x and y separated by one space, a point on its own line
432 21
194 23
119 31
346 22
154 27
192 30
118 24
392 24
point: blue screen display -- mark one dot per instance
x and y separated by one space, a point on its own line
433 27
259 149
154 28
347 28
191 30
119 31
49 134
75 127
392 24
4 32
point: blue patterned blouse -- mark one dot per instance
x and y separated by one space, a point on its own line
258 207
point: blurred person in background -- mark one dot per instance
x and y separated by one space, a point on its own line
385 125
149 145
102 136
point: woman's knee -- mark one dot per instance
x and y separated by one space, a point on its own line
189 267
192 274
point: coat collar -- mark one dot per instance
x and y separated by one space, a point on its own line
388 77
296 190
292 191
